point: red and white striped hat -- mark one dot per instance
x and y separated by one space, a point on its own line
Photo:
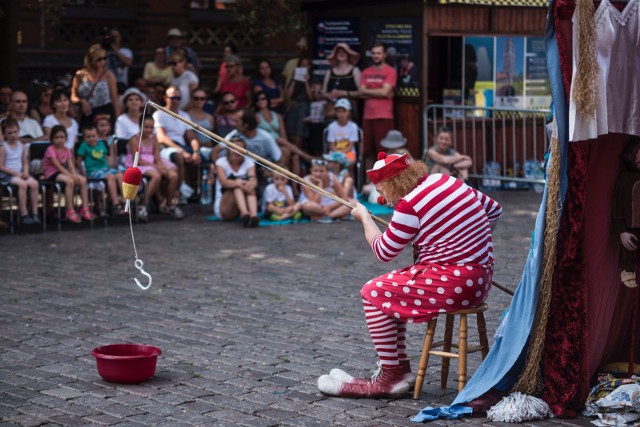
388 166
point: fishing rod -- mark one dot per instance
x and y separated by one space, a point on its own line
279 169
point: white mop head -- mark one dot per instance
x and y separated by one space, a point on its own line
518 407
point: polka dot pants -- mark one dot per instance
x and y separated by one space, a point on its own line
420 292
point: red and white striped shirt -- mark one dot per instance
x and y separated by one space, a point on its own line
448 221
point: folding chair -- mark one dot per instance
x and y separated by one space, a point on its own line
36 154
10 205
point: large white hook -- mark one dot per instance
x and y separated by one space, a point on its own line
138 264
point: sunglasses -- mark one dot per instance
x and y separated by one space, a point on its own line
175 98
318 162
230 65
102 58
199 98
172 63
229 102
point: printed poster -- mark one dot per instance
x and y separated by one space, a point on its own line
329 32
401 36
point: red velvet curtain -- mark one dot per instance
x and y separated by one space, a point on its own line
586 283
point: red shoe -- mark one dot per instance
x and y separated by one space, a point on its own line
344 377
390 384
86 214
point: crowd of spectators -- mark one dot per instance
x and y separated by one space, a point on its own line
305 122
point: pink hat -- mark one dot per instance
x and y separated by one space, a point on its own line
388 166
354 56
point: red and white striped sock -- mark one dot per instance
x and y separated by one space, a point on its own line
384 333
402 342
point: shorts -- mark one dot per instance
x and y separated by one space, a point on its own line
102 173
167 152
5 179
52 178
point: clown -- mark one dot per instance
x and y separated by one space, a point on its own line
449 224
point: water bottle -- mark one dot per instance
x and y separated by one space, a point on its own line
205 197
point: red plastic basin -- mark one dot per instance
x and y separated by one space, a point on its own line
126 363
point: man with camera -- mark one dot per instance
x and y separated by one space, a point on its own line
119 58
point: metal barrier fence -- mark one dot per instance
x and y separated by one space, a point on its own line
507 146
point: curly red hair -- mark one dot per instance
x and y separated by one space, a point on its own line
400 185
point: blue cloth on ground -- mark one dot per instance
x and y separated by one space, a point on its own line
265 222
451 413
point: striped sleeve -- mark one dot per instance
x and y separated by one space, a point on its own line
491 207
404 226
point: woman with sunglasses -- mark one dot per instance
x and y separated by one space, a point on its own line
208 149
183 79
94 87
265 82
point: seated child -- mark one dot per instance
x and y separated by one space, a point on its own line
279 200
95 160
339 166
57 165
14 170
342 134
154 167
318 206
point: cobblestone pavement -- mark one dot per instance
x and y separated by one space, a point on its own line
247 319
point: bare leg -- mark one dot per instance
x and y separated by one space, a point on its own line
68 190
240 200
172 187
178 160
228 207
313 210
22 194
33 194
340 211
152 186
112 187
84 192
252 202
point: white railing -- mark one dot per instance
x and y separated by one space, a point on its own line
507 146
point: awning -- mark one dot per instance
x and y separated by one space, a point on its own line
522 3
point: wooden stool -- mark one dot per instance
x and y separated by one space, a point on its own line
446 344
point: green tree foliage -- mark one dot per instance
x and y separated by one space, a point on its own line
269 18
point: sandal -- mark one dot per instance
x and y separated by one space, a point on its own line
84 213
164 209
628 279
73 216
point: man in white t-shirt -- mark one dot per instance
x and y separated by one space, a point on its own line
180 143
30 129
119 58
259 142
